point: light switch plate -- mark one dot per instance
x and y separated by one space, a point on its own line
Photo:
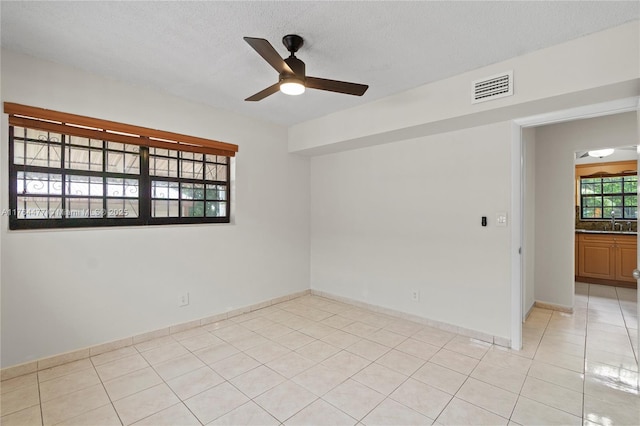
501 219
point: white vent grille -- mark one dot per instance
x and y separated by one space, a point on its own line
494 87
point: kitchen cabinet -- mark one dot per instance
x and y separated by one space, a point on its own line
606 258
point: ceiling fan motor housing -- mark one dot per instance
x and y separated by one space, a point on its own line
296 65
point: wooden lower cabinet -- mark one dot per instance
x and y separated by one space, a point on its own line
626 259
606 259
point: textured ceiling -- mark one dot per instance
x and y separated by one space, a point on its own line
195 49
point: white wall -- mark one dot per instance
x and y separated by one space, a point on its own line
67 289
596 68
555 196
389 219
528 243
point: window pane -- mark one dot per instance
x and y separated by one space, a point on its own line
592 201
165 208
131 208
216 209
192 208
39 183
631 212
76 140
163 152
43 136
122 187
85 142
591 213
39 207
611 201
216 192
631 201
160 166
191 191
115 162
123 162
611 185
132 163
216 172
190 170
83 159
590 188
162 189
630 186
194 156
37 154
121 208
78 208
116 146
608 211
84 185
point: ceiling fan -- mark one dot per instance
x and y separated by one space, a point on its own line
293 79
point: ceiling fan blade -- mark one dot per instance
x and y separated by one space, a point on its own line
266 50
264 93
586 154
336 86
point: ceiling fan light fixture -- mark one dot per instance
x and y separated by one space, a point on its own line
292 86
599 153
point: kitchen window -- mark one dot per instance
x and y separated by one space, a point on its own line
602 196
73 171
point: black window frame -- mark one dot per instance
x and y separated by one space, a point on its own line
601 195
144 191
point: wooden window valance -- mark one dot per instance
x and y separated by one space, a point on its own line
95 128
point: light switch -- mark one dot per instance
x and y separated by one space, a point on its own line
501 219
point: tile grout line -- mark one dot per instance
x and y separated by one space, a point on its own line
341 349
40 398
584 354
105 391
624 320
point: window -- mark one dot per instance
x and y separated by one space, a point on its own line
600 196
74 175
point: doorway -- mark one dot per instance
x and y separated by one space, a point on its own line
560 226
606 215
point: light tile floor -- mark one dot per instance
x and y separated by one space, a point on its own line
313 361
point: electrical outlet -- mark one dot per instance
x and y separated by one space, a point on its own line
415 295
184 299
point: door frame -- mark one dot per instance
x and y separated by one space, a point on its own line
517 194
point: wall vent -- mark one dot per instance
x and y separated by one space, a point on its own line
494 87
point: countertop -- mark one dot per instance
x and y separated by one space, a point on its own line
590 231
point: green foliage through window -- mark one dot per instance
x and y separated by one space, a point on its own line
600 197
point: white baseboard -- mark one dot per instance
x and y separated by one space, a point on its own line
553 307
55 360
485 337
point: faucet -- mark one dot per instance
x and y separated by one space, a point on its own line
613 220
